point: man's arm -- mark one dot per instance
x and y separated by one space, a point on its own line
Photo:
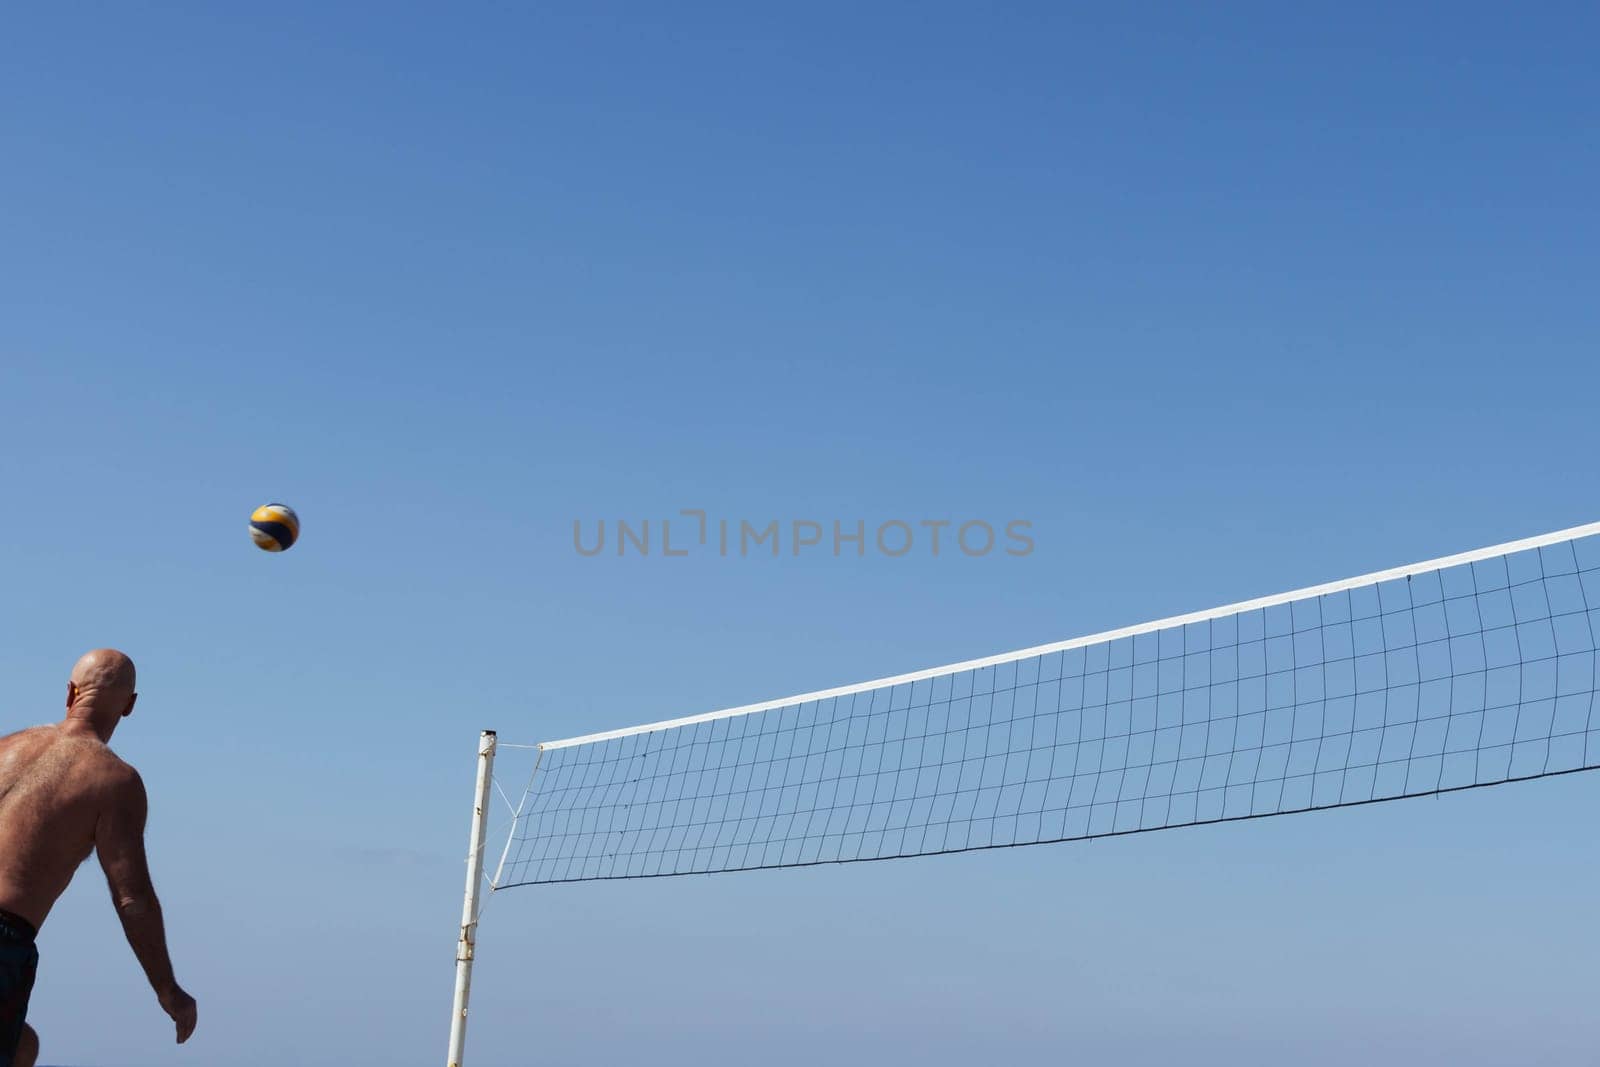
119 839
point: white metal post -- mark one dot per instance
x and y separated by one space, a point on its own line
469 907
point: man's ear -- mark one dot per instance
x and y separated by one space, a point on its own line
129 709
72 694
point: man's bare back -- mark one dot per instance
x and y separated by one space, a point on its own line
54 790
64 794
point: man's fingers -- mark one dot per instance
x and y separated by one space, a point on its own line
185 1018
183 1011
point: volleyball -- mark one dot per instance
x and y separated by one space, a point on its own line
274 527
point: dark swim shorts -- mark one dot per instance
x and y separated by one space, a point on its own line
19 959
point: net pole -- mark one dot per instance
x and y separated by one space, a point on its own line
466 944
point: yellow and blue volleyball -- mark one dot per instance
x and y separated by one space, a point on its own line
274 527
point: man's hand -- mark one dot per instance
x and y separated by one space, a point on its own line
181 1006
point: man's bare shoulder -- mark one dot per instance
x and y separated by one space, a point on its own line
106 775
23 747
33 733
115 773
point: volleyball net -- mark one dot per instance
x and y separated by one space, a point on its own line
1466 671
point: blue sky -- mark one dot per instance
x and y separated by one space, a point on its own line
1223 302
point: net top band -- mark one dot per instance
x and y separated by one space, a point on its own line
1459 559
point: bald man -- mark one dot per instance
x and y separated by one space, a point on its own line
63 794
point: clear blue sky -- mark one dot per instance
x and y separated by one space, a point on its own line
1223 302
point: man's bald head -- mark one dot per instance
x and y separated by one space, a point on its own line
101 689
105 670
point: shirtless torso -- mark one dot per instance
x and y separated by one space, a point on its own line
63 795
60 796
